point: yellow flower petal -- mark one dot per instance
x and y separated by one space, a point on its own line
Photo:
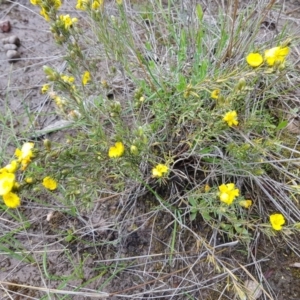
11 200
254 59
276 54
215 94
86 77
7 181
35 2
45 88
245 203
44 13
12 167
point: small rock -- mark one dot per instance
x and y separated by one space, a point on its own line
13 55
254 289
12 40
5 26
10 47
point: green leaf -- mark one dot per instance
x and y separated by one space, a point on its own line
193 216
206 216
282 124
199 12
193 201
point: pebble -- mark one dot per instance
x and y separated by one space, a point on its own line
254 289
10 44
12 40
13 55
5 26
10 47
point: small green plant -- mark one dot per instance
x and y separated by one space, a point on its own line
222 214
186 114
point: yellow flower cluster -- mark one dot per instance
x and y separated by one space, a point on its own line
93 4
8 177
46 6
159 170
228 192
67 21
68 79
24 155
60 103
272 56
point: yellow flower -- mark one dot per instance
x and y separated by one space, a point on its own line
254 59
12 167
69 79
117 150
68 22
134 150
35 2
44 13
96 4
25 153
228 192
86 77
11 200
82 4
56 4
59 102
276 54
245 203
29 180
159 170
277 220
7 181
49 183
206 188
215 94
231 118
45 88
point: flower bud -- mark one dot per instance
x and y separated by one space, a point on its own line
50 73
47 144
286 43
104 84
241 84
134 150
29 180
140 131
